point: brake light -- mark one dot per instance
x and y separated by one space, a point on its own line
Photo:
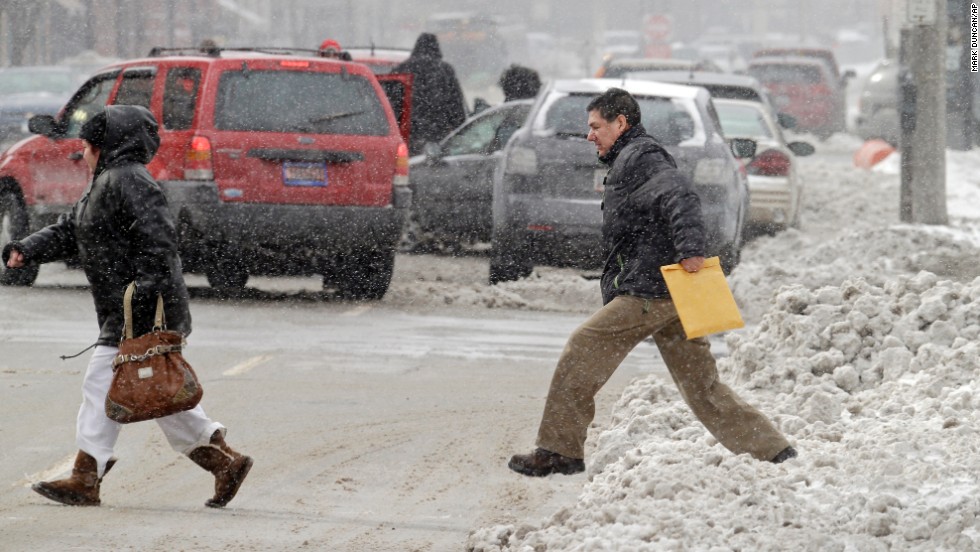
770 163
197 161
401 166
293 63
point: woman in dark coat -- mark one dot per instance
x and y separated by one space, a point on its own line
122 231
438 105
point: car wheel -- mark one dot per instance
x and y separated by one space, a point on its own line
505 266
366 276
14 225
227 271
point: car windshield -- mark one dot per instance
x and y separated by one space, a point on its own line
22 82
742 120
294 101
785 73
669 120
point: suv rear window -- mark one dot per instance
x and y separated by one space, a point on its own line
785 73
665 119
301 102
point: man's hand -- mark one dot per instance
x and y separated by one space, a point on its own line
692 264
15 260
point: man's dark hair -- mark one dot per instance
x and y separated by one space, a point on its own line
519 82
615 102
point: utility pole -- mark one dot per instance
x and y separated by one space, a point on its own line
923 113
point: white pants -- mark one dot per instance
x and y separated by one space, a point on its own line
96 433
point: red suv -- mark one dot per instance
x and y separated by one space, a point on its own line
806 88
273 161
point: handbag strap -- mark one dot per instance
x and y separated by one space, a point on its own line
159 319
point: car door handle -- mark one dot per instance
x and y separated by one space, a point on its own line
75 156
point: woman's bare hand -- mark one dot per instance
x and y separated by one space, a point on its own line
15 260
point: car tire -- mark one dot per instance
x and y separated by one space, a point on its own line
14 225
227 272
366 276
505 266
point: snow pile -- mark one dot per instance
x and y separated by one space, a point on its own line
875 254
962 178
862 346
546 289
850 229
877 386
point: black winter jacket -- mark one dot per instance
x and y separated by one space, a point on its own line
438 105
651 217
121 230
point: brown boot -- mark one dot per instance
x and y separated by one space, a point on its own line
81 489
543 462
229 468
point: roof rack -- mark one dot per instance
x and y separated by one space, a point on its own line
373 48
159 51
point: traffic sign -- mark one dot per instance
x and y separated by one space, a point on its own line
657 27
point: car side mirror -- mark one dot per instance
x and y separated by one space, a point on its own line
743 148
801 149
479 105
786 120
433 151
45 125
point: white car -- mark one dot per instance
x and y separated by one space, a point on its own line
775 188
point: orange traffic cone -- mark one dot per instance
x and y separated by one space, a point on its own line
871 153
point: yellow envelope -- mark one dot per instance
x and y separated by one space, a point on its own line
703 299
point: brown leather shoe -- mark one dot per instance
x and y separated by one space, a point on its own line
229 469
79 489
544 462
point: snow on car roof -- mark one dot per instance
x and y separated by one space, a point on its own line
700 77
636 87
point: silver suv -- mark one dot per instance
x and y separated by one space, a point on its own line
546 200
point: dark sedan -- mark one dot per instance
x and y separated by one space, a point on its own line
452 182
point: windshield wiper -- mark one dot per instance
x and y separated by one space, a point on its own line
569 134
334 116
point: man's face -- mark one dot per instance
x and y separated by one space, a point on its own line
91 155
604 133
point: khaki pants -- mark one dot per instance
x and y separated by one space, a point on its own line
599 345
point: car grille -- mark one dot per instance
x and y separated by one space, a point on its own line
768 198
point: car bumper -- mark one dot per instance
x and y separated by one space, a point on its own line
195 205
570 230
770 201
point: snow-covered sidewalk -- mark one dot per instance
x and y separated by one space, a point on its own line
862 345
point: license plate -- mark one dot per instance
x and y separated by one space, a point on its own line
599 180
296 173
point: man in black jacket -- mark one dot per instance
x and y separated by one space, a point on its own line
651 218
438 105
121 231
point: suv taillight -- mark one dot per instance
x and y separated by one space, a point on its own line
197 161
770 163
401 166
